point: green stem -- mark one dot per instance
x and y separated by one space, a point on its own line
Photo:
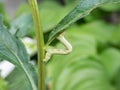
40 44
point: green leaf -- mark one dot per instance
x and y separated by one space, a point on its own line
115 39
13 50
110 58
3 84
85 43
100 30
117 80
110 7
4 13
71 1
18 80
82 74
51 8
1 59
81 10
79 70
22 25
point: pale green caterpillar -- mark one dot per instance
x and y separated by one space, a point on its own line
50 51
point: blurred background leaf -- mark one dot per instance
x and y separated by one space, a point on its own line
80 69
48 21
94 62
4 13
17 81
110 59
3 84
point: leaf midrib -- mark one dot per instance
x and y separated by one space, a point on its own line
22 66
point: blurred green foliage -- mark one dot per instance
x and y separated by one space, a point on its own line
94 62
4 13
3 84
74 71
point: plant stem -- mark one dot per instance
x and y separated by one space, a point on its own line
40 44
